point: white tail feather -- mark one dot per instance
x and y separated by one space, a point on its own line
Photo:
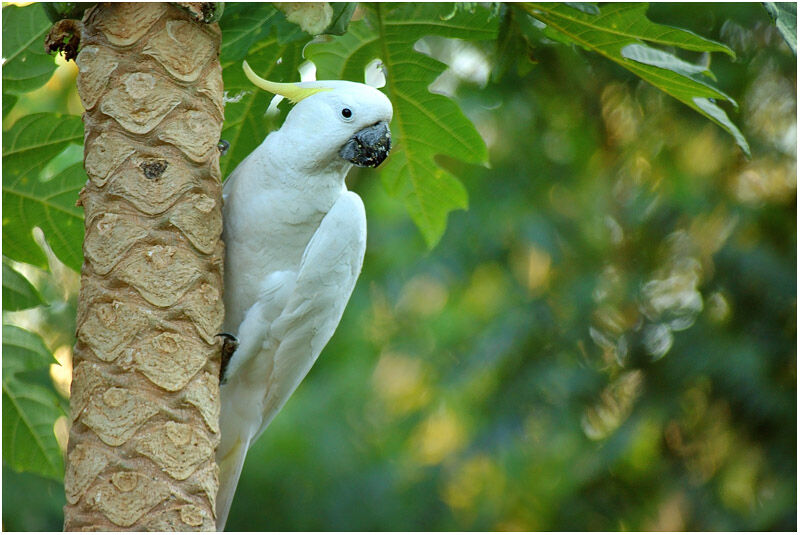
230 468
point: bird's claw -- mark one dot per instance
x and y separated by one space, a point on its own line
229 346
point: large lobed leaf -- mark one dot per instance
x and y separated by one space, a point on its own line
18 292
425 124
620 32
273 47
27 201
26 66
247 24
29 410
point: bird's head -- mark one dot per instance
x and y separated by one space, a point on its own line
335 119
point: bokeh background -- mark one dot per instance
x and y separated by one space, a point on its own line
606 340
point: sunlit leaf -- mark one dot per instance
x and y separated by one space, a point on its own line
23 351
35 139
27 201
586 7
276 56
710 109
29 410
50 206
26 66
18 292
621 22
29 444
618 27
425 124
657 58
8 103
785 16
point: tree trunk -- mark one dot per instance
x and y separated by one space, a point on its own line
145 391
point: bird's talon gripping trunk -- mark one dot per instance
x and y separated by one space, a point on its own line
145 391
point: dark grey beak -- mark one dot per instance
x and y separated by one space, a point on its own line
368 147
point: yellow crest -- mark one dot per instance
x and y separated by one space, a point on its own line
293 92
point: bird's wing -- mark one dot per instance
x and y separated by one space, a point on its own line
284 332
242 396
254 329
328 271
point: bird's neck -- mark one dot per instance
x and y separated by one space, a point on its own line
314 169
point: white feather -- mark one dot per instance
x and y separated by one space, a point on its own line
295 240
284 332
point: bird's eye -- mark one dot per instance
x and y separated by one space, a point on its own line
346 113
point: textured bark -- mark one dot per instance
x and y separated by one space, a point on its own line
145 393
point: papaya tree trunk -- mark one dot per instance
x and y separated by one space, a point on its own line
145 390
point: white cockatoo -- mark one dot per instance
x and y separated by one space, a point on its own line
295 239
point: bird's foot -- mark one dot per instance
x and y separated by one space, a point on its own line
229 346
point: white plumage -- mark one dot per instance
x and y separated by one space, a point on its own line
295 240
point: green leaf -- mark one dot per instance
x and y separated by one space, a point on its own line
29 443
513 49
50 206
246 125
26 65
624 23
342 13
425 124
620 33
8 103
785 16
720 117
36 139
27 201
245 24
57 11
657 58
586 7
29 410
23 351
18 292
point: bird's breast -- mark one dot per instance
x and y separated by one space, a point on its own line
264 232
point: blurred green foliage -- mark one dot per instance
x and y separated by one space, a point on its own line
606 340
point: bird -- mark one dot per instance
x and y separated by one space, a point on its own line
295 239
